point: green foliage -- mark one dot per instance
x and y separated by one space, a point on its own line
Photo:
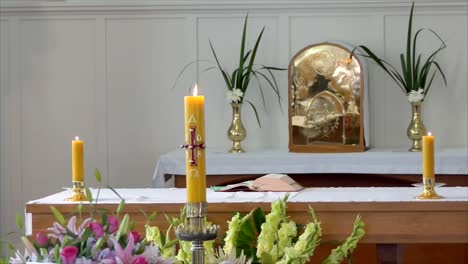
274 238
89 195
79 209
6 251
123 227
152 216
164 242
120 207
57 253
249 231
241 76
344 250
58 216
415 72
97 175
271 238
115 192
19 222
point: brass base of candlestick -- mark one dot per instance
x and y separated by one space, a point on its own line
78 192
429 190
196 231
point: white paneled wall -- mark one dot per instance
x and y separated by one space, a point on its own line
104 71
144 115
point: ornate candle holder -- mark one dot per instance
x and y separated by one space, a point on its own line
429 192
78 192
195 231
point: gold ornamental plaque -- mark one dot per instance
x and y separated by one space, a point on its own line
326 89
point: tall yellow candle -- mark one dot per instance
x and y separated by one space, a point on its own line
77 160
195 147
428 156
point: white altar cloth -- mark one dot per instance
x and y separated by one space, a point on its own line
308 195
316 195
373 161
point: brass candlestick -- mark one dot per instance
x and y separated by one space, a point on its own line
78 192
195 231
429 190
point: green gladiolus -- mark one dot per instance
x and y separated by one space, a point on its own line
344 250
286 233
154 234
268 235
184 255
231 234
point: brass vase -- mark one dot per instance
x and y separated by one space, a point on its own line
416 129
236 132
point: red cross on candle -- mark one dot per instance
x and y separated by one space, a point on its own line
193 146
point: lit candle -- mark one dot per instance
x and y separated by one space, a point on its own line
428 156
77 160
195 147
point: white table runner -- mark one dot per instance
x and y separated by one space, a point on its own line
373 161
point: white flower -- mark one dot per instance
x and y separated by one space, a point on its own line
221 257
235 95
416 96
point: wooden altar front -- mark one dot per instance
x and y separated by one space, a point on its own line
392 224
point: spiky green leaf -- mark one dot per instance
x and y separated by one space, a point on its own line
255 111
251 62
241 56
223 73
120 207
89 195
261 89
115 192
19 222
79 208
152 216
123 227
58 216
97 175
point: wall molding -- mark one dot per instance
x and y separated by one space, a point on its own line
14 6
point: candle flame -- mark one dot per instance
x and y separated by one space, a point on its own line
429 134
195 90
77 138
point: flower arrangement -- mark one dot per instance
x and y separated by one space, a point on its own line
253 238
416 76
92 241
275 238
96 240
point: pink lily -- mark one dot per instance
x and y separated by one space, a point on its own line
124 256
72 226
58 231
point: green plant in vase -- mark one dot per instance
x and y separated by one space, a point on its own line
238 81
414 79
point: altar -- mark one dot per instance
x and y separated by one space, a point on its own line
374 167
392 215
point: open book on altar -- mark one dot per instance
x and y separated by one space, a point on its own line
267 183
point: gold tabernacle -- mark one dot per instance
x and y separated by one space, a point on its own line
326 100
